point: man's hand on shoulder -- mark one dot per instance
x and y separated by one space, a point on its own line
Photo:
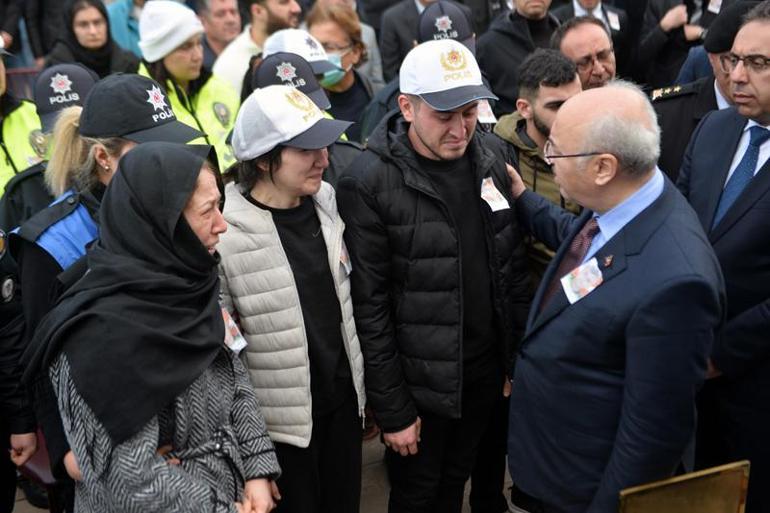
405 441
517 184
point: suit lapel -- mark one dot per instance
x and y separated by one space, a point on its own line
754 191
554 266
722 162
611 257
612 261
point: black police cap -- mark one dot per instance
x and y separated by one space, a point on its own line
725 26
59 87
445 20
133 107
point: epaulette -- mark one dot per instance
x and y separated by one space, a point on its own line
672 92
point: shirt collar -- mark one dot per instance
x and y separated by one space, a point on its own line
580 11
722 102
752 123
612 221
419 6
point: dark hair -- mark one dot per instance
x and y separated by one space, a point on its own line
759 13
561 32
544 68
252 171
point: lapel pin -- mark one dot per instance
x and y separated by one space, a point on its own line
607 261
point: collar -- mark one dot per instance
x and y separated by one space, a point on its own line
753 123
581 11
612 221
419 6
722 102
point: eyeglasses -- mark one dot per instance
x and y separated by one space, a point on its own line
329 47
587 62
548 156
755 63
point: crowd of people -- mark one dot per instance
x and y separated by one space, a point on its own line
237 238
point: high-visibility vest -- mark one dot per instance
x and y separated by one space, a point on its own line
22 143
211 110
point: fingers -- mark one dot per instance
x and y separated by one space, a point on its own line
274 491
511 170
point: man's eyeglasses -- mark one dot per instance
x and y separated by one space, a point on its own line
548 154
587 62
755 63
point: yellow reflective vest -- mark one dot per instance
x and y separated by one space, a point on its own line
22 143
211 110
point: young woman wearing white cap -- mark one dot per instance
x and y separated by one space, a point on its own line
170 40
284 274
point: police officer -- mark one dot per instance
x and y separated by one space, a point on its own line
681 107
56 88
25 195
87 146
170 39
20 135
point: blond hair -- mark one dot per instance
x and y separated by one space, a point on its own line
73 160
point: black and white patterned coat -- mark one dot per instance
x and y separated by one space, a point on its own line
216 430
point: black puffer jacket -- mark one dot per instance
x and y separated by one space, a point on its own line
407 278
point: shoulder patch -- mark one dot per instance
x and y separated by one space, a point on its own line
672 92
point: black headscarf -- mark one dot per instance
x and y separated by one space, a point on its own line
99 59
145 321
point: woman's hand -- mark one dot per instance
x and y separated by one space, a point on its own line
23 447
259 495
71 465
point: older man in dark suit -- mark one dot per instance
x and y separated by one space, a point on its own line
726 178
623 322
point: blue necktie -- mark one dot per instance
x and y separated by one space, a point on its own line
742 174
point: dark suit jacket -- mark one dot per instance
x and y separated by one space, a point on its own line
679 112
742 245
619 36
398 33
604 389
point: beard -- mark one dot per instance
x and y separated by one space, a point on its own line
274 23
541 127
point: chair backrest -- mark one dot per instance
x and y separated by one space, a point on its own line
715 490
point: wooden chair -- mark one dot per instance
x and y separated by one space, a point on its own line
715 490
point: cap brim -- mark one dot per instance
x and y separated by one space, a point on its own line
457 97
48 120
174 132
3 51
320 135
321 67
320 99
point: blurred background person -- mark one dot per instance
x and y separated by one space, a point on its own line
586 42
337 29
173 56
221 24
124 23
372 68
45 25
20 127
86 40
510 38
266 18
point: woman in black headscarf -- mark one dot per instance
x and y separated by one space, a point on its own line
159 412
87 40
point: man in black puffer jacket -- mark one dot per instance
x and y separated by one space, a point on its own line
440 284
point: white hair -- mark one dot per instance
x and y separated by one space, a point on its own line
636 145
